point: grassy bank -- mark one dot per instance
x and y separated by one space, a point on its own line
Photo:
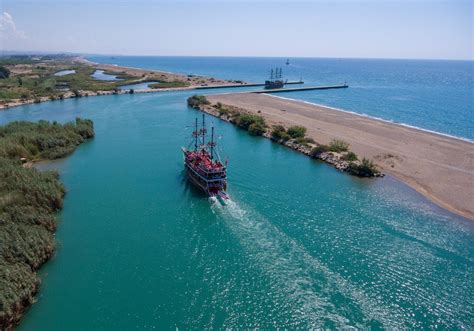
33 78
29 200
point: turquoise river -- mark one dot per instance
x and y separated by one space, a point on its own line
301 245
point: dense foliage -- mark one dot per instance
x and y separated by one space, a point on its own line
197 100
279 133
318 150
257 129
245 120
366 168
43 140
4 72
28 202
297 131
350 156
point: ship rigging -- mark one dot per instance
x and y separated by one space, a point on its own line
203 164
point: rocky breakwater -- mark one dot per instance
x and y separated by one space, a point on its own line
337 153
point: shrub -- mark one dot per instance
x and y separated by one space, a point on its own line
364 169
296 131
350 156
4 72
197 100
279 133
304 141
318 150
245 120
338 146
223 111
257 129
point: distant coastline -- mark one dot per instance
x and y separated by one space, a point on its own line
168 81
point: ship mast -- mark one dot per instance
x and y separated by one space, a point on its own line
203 131
212 142
196 135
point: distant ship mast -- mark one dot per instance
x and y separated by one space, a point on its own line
275 80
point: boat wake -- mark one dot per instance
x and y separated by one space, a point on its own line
305 289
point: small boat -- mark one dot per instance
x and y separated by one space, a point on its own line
287 61
203 164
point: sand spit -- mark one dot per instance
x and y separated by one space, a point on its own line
437 166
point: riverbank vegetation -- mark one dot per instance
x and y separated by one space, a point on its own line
365 168
295 134
34 79
196 101
4 72
29 200
170 84
254 124
338 152
28 79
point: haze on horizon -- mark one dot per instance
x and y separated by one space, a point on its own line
353 29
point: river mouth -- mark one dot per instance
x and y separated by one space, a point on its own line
302 245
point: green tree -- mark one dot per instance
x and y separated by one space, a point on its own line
4 72
279 133
256 129
297 131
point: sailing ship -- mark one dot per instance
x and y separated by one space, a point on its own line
276 80
203 164
287 62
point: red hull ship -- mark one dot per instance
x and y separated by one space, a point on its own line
203 164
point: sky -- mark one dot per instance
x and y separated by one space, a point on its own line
342 29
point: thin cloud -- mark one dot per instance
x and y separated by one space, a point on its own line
8 29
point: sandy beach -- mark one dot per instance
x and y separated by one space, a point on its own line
439 167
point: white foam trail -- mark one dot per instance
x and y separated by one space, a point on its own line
376 118
303 284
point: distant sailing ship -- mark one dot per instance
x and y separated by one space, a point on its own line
276 80
203 165
287 61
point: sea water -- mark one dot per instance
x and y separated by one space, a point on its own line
436 95
299 244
